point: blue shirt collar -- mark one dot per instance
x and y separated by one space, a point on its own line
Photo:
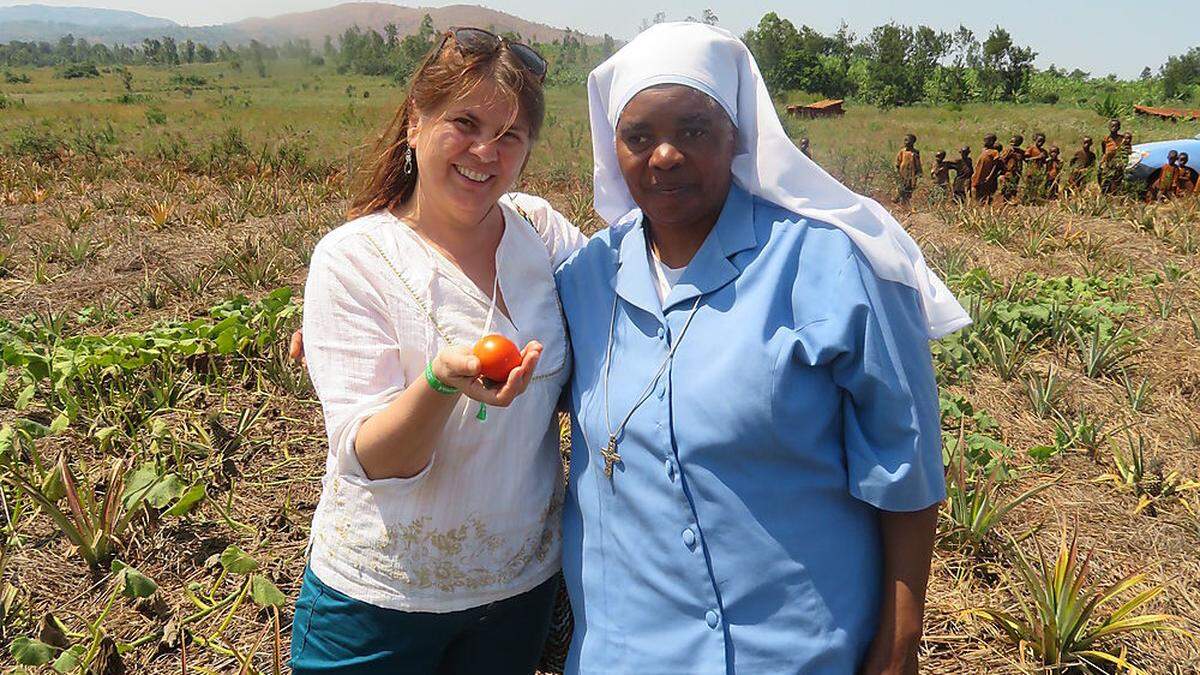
710 269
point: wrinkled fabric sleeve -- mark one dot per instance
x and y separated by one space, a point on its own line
560 235
352 351
892 427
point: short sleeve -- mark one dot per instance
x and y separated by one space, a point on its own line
892 429
560 235
351 348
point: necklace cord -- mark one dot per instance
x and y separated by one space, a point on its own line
641 398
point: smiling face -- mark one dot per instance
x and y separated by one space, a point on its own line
675 148
469 154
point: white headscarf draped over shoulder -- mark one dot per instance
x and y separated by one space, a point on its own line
766 163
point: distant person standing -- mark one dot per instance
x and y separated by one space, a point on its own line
1053 171
1037 155
1185 176
1112 163
1163 187
804 147
1081 163
1012 162
964 168
940 172
1111 142
987 170
908 169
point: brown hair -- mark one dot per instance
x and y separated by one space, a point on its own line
445 75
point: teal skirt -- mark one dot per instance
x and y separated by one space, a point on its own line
334 633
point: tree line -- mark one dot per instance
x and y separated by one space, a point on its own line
361 51
76 57
896 65
892 65
368 52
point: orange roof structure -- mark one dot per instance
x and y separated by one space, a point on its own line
830 107
1167 113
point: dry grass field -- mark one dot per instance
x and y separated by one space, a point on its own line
160 459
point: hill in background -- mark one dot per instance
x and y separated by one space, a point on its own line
315 25
41 22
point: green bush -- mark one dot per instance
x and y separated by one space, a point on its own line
154 116
182 80
75 71
36 142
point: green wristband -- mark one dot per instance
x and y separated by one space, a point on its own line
436 384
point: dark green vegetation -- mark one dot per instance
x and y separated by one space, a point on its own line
896 64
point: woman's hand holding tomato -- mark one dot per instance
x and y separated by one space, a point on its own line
459 367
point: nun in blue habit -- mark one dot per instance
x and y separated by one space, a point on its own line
756 462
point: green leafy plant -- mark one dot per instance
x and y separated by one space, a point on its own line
1044 392
252 264
1060 615
1006 355
1090 434
1102 355
1064 440
1138 394
1146 478
130 376
975 504
1163 301
77 250
94 522
971 433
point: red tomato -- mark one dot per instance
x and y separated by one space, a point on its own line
497 357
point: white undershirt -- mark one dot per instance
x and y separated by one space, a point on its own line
665 277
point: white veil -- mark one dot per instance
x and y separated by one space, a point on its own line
766 163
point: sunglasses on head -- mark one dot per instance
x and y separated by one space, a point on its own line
480 41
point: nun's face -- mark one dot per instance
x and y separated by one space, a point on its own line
675 147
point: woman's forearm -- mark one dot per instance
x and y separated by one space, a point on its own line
907 540
398 441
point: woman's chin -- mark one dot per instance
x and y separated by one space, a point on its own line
472 205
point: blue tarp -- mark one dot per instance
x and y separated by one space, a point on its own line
1149 157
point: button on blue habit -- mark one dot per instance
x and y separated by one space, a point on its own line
800 402
712 619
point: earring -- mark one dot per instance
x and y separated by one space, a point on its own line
408 161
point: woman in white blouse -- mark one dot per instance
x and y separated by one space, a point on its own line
436 539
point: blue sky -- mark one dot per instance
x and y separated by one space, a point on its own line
1101 36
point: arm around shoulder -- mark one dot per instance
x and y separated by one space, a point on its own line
561 237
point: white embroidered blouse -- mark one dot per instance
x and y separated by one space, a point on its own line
481 522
